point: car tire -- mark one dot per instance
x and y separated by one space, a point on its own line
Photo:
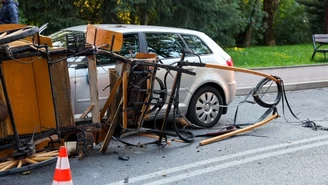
205 108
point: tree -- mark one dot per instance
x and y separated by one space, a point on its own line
89 10
58 13
315 10
291 26
326 17
253 13
270 7
138 11
109 11
221 20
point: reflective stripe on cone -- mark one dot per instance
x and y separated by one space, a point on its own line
62 175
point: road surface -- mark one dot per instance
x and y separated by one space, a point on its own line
280 152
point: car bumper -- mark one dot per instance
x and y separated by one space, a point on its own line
231 93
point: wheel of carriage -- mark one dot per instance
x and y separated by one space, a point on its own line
20 163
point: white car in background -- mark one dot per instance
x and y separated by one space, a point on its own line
203 97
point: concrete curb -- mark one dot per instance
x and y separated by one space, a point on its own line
283 67
288 86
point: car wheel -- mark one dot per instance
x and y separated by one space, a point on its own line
205 107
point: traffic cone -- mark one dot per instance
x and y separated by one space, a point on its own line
63 175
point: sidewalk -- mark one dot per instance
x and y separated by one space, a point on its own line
295 78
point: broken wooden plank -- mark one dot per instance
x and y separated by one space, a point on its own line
125 99
61 89
111 128
104 39
93 87
110 98
145 55
113 80
86 112
3 34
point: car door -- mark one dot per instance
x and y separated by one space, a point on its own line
82 92
130 47
168 47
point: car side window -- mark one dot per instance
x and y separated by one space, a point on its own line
130 48
165 45
196 45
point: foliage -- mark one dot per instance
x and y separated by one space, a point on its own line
89 10
142 11
253 15
270 7
109 12
226 21
315 10
265 56
58 13
22 19
221 20
291 24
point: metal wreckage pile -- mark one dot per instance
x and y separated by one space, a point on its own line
36 110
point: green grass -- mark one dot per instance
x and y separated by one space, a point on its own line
264 56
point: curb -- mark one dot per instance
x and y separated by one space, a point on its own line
240 91
283 67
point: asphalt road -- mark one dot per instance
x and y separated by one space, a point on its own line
280 152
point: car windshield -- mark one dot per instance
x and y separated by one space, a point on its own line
59 38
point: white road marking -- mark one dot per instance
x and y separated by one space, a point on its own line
213 168
226 157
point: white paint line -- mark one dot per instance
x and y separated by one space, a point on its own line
189 174
217 159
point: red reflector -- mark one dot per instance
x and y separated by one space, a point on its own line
229 62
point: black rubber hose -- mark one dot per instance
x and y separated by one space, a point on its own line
259 100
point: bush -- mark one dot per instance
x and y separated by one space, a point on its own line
291 25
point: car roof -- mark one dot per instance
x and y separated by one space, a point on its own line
131 28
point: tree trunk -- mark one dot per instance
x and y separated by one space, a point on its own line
249 30
248 36
326 17
269 7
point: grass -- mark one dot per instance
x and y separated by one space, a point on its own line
274 56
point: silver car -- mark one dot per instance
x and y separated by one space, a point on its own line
203 98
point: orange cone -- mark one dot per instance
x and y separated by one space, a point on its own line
63 175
